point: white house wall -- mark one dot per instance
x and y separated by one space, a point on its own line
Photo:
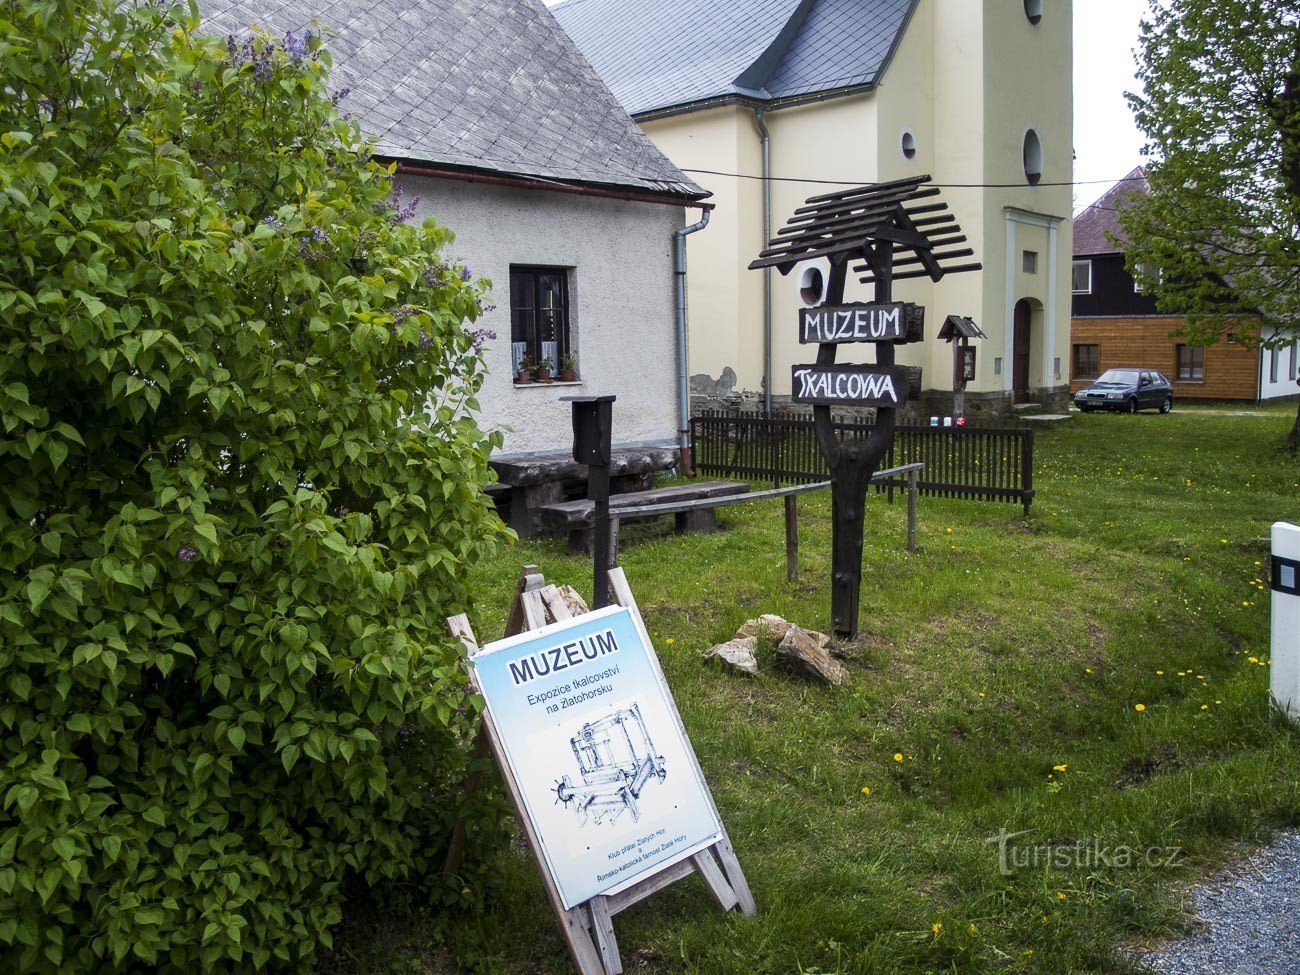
622 324
1288 361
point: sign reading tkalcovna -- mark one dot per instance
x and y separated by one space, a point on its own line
597 750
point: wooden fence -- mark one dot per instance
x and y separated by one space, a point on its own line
984 463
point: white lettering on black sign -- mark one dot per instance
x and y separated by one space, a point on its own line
853 323
849 385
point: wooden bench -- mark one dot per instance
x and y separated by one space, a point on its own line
535 480
577 518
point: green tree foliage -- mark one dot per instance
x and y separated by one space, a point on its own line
230 529
1220 106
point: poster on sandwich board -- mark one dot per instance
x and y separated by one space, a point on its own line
600 759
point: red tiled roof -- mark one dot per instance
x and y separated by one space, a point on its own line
1092 226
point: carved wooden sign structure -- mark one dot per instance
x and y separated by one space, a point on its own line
896 235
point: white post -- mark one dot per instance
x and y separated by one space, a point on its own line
1284 676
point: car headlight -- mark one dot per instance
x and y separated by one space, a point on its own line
1114 395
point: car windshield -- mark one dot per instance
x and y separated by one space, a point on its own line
1119 377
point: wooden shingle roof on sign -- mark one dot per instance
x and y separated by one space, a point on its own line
494 85
661 55
1095 226
843 225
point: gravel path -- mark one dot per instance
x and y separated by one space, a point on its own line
1252 917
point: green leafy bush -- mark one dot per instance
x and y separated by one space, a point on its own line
230 529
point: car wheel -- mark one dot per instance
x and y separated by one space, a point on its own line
1167 405
1132 406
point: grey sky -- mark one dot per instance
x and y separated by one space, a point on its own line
1107 144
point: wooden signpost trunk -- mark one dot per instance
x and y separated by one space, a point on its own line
853 462
882 225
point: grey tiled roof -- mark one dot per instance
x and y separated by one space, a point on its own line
659 54
485 84
1092 226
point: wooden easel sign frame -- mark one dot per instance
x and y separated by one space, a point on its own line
597 763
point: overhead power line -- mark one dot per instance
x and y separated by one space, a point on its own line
949 186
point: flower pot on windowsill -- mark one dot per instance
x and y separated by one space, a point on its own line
525 377
543 375
568 376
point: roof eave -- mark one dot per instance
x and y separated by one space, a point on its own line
617 191
750 101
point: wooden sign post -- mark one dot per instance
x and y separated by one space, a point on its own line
880 224
597 763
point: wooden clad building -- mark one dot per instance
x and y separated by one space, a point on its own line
1220 371
1114 324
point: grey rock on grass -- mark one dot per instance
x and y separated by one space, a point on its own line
736 655
805 651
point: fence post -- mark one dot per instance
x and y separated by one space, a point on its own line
1027 470
911 510
792 538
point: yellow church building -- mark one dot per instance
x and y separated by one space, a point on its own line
767 102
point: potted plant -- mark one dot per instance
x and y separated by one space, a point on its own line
544 370
568 372
525 371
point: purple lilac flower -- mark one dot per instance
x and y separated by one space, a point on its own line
426 341
481 336
272 221
431 274
297 44
400 314
187 553
466 273
339 95
393 206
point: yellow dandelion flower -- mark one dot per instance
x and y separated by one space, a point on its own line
670 641
981 693
898 756
1160 673
1205 707
1087 670
1059 768
1139 707
866 790
936 927
1253 660
1060 895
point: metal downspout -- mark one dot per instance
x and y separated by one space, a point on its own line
683 365
766 138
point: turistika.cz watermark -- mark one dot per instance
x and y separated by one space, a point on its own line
1079 855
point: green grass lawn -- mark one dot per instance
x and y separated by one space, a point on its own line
1004 649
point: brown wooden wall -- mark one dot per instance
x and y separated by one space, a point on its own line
1231 371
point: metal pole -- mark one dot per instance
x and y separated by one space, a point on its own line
598 492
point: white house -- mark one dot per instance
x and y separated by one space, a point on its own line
505 133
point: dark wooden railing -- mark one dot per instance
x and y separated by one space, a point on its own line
985 463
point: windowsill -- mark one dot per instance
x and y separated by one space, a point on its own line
553 382
1189 382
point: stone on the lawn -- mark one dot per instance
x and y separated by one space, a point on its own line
805 651
573 600
736 655
768 624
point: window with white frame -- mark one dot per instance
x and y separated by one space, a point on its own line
1081 277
